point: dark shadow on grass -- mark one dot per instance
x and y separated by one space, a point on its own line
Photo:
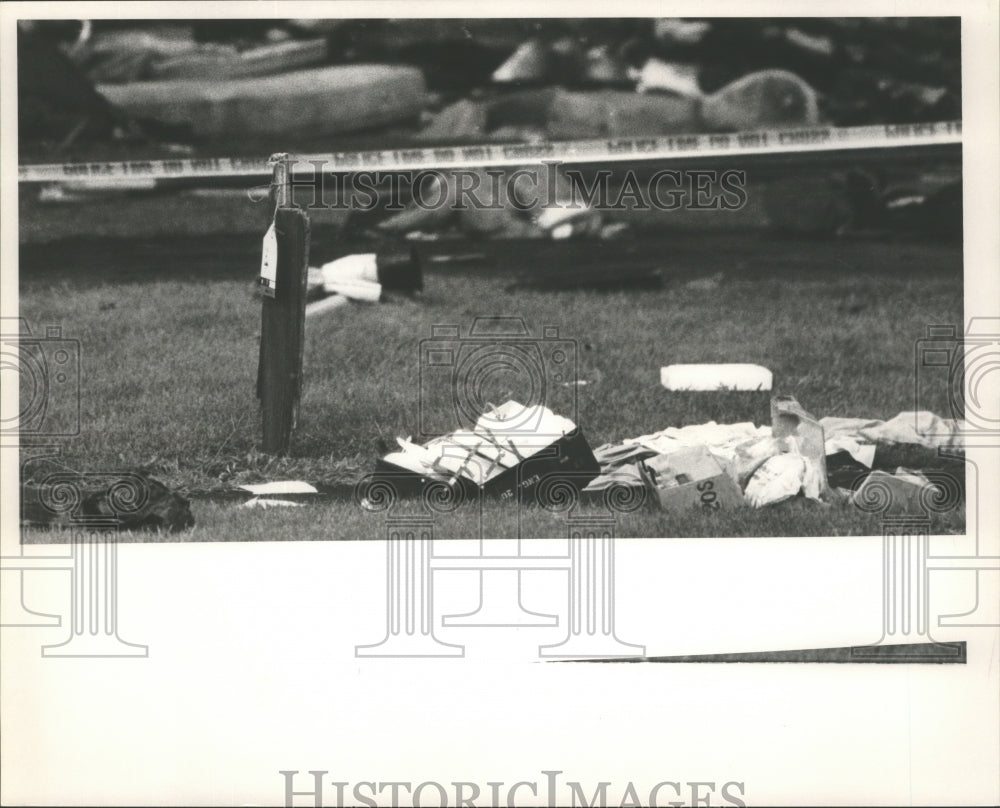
86 262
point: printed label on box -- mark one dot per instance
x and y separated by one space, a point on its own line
690 478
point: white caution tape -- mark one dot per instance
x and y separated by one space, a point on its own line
673 147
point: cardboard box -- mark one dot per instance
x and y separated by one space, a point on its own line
512 465
690 478
569 459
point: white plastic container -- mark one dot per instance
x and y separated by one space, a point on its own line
716 377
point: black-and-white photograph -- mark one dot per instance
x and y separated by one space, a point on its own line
561 339
684 271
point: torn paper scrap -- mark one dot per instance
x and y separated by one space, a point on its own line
779 478
752 454
921 428
716 436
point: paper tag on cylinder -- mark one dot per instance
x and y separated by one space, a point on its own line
269 263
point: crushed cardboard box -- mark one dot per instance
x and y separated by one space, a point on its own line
512 454
690 478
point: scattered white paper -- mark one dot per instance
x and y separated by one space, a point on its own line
280 487
326 304
365 291
257 502
864 453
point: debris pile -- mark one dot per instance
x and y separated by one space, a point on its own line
764 99
569 78
826 460
181 86
514 453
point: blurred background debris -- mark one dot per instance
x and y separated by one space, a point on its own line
94 90
862 70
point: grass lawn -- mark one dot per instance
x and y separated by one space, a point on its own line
169 355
